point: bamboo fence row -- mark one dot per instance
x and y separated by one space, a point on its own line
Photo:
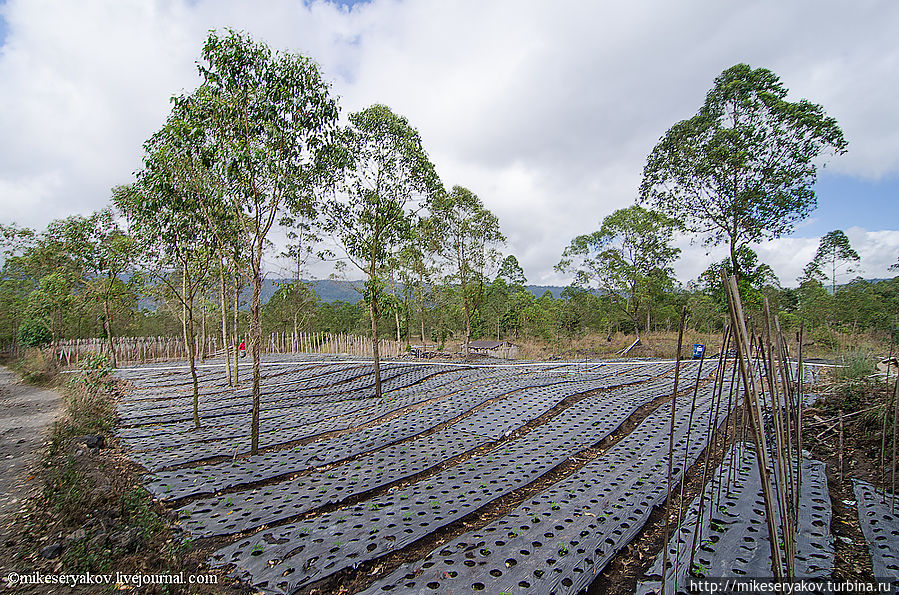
154 349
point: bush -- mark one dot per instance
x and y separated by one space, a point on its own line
854 379
825 338
95 371
36 366
34 333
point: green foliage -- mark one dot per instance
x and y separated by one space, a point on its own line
94 372
854 381
34 333
753 280
464 234
380 167
743 168
511 272
834 252
628 259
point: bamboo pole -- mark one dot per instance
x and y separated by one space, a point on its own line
886 415
719 371
680 342
736 309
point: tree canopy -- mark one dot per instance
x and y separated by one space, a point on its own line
465 234
382 166
626 258
743 168
834 252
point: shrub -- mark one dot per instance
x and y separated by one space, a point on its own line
34 333
37 366
854 379
94 371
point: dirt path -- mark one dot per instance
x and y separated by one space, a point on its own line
26 413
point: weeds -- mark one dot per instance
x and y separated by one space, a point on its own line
37 366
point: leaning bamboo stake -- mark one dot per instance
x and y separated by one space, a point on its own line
787 384
743 354
719 372
781 478
886 415
841 447
680 343
895 427
680 507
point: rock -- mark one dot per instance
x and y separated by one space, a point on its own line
132 539
91 441
128 540
51 551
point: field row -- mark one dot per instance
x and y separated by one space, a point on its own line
344 478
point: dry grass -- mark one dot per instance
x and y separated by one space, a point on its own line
823 343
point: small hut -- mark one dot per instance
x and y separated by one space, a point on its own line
499 349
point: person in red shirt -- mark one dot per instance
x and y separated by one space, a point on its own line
242 349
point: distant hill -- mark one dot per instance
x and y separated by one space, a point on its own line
329 290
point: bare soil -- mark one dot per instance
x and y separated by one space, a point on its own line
26 413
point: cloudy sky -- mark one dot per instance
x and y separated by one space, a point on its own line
546 110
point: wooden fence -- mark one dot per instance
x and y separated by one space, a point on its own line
151 349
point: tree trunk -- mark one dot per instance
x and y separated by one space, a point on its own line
421 305
188 326
225 325
203 336
107 324
609 336
467 325
255 344
236 331
373 309
396 319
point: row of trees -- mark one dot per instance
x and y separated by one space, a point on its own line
44 291
258 145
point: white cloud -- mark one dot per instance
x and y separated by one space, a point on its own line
789 256
546 110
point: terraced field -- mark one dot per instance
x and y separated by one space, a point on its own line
502 479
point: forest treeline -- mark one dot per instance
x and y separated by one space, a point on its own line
260 145
50 290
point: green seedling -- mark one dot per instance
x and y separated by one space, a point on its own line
699 570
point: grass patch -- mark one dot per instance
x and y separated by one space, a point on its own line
36 366
91 510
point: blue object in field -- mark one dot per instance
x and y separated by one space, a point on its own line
698 350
